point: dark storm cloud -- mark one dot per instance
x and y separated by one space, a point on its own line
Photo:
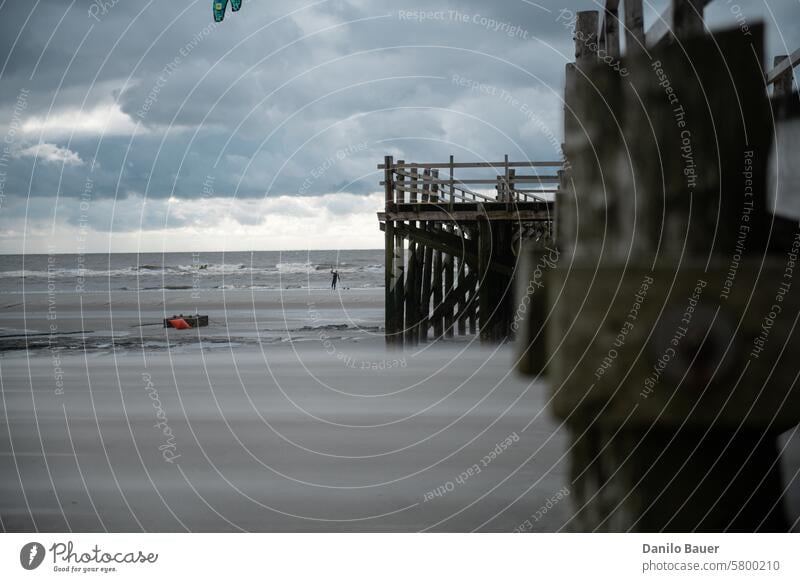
265 102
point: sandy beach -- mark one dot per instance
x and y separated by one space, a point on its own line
285 414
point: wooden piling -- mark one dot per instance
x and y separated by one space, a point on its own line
389 256
461 305
399 266
449 284
686 441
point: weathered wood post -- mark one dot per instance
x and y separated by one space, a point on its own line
438 322
412 274
634 26
390 274
399 262
485 306
461 305
661 367
429 193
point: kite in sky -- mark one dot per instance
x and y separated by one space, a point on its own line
221 5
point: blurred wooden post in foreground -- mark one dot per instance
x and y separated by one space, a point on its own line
667 303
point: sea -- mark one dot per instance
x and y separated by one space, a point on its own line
109 272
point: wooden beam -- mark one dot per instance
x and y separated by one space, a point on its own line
484 264
782 68
609 31
680 19
451 244
427 268
586 37
472 303
475 165
437 292
548 179
634 27
461 304
469 216
454 295
412 311
389 255
399 267
449 283
412 275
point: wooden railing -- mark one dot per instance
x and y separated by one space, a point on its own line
437 183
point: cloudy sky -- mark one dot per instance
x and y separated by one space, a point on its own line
132 125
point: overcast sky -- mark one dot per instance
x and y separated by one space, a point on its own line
140 125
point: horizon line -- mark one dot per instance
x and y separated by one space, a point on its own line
2 254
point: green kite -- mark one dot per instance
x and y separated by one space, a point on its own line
221 5
219 9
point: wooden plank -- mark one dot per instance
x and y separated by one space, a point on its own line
399 267
420 296
783 84
634 27
586 37
451 244
437 291
461 304
469 216
472 303
474 165
782 66
453 296
484 262
609 30
412 309
427 268
687 17
411 336
521 178
389 255
679 19
425 304
438 294
449 282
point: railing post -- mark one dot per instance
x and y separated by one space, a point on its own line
452 185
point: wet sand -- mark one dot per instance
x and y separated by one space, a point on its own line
291 439
285 414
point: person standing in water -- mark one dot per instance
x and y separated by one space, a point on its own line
335 279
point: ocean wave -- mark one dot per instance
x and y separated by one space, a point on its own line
238 272
136 271
292 268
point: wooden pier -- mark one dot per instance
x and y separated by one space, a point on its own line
452 243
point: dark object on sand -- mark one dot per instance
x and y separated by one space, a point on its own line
186 321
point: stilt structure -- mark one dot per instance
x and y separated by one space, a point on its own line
452 244
667 330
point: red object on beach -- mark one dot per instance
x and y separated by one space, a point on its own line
179 323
